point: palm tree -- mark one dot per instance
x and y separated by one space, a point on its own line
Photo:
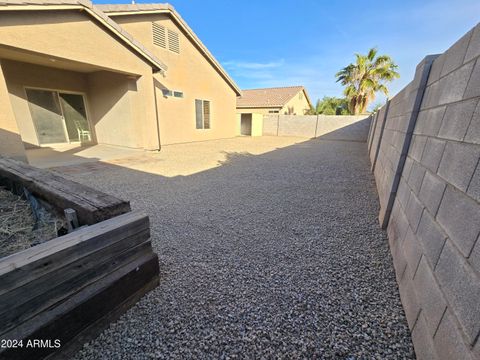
314 110
364 78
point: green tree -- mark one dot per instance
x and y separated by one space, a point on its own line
330 106
376 107
364 78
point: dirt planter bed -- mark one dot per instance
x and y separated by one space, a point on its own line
64 291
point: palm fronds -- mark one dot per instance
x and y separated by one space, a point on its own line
364 78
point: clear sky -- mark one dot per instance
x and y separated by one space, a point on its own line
266 43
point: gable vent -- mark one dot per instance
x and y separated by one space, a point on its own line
173 41
159 35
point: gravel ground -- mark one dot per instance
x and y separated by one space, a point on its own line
276 255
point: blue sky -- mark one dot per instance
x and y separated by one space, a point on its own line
268 43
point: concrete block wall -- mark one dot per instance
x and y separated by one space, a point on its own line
434 221
341 127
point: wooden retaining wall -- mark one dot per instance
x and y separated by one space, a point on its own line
68 285
91 205
69 288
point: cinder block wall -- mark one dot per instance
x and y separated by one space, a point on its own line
331 127
425 151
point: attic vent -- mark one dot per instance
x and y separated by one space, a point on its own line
159 35
173 41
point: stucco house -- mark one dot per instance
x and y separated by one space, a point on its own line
289 100
127 75
254 103
196 97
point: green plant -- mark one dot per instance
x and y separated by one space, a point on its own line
330 106
376 107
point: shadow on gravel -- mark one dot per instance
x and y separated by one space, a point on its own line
278 256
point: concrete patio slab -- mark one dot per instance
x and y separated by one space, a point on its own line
47 157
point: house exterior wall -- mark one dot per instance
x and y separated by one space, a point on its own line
257 124
117 83
70 35
11 142
297 104
191 73
113 104
263 111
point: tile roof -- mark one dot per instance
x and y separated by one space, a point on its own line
86 3
132 9
268 97
119 31
106 8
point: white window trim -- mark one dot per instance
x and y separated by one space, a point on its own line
203 117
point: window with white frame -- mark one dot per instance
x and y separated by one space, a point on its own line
174 93
202 114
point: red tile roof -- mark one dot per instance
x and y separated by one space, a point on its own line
268 97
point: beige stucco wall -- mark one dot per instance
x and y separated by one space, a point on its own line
298 104
118 84
263 111
257 124
10 141
113 124
191 73
238 121
71 35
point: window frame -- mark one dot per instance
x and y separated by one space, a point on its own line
203 112
177 94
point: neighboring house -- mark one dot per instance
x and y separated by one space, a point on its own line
291 100
70 74
254 103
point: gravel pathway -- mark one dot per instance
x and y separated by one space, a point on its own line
270 256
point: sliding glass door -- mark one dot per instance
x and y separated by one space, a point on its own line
47 116
75 116
58 117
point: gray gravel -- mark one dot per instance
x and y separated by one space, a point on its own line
271 256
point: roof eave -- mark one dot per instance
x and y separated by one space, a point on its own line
156 66
160 67
259 106
308 97
304 92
